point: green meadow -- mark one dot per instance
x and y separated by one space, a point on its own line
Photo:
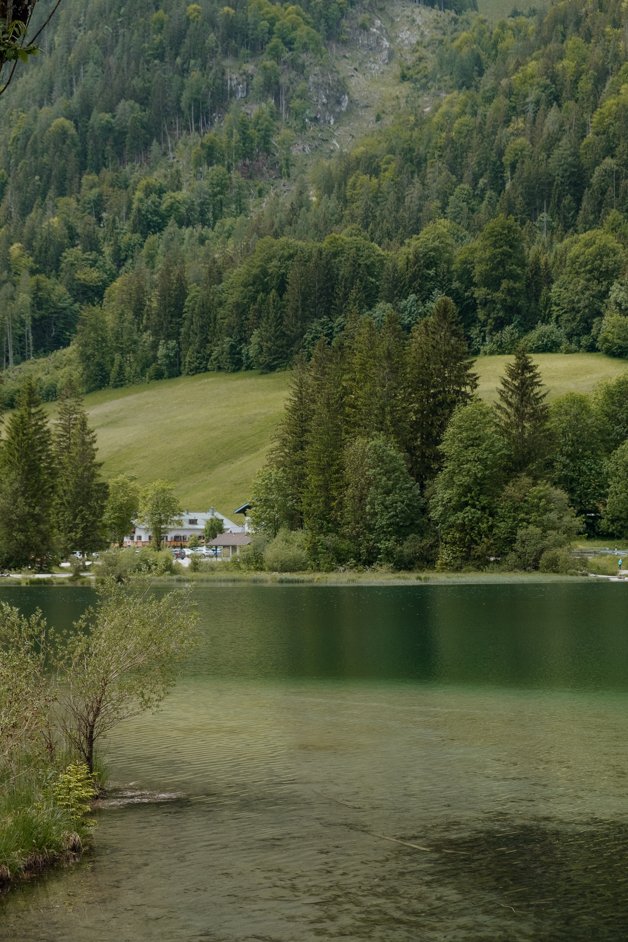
209 434
498 9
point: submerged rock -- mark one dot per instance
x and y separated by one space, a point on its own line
120 797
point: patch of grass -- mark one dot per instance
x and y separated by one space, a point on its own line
499 9
35 831
208 434
562 373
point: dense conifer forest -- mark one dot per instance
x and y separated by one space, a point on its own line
167 207
174 199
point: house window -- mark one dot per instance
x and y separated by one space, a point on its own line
176 538
138 537
193 521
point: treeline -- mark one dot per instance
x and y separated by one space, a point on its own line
160 247
53 499
386 456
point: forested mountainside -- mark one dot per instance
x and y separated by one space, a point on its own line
170 202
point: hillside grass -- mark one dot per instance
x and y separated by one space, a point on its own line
562 373
498 9
210 434
207 434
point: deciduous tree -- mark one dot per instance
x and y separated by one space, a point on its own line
121 508
159 508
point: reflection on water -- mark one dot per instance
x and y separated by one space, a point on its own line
433 763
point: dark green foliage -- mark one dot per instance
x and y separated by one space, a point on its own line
465 494
325 443
531 518
613 336
611 412
27 486
289 457
81 494
381 504
615 519
577 462
136 162
439 378
522 414
499 276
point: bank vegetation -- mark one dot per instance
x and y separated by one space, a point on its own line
62 690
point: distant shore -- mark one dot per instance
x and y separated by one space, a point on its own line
348 577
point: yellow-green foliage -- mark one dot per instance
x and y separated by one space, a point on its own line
74 791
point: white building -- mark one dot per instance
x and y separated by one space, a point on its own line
191 523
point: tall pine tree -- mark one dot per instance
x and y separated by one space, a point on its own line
27 486
289 452
522 414
81 494
439 378
325 443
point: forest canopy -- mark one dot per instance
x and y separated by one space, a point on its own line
159 214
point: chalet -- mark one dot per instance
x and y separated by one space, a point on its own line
191 523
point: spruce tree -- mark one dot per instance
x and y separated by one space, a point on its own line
271 345
522 414
81 494
362 381
439 378
391 361
27 486
289 453
324 449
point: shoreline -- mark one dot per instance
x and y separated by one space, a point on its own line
347 578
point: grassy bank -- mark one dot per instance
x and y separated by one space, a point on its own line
43 819
365 578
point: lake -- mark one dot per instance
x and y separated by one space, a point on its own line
442 763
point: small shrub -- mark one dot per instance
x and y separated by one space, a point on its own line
545 338
416 552
504 341
558 560
613 336
329 551
287 552
74 792
252 556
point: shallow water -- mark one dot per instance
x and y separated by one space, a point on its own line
404 763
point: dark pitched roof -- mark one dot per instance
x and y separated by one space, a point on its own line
230 539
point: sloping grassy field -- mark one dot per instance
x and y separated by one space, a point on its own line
209 434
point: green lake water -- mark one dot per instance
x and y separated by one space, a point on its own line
398 764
